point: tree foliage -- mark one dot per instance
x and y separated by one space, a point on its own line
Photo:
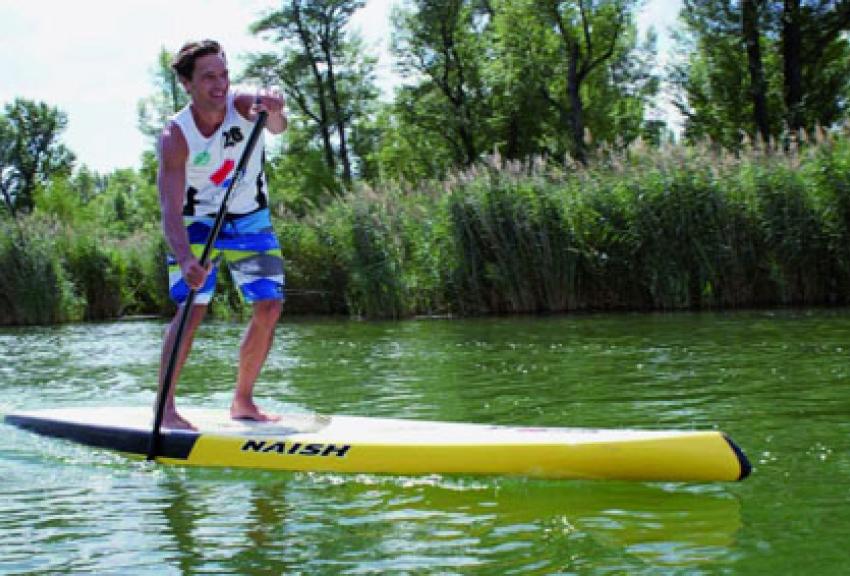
523 77
587 36
762 68
328 79
445 45
168 98
31 152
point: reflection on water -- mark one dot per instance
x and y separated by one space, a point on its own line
777 382
104 513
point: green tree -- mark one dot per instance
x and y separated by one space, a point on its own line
522 117
442 48
816 60
299 175
712 81
328 80
761 68
87 184
59 198
588 36
30 151
751 25
167 99
408 151
521 77
129 202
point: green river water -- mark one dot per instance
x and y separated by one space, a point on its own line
778 382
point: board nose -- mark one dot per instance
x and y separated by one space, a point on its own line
743 461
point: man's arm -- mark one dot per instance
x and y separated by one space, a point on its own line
171 180
268 99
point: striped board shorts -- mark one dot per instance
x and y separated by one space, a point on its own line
249 246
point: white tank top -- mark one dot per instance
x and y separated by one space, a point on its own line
212 164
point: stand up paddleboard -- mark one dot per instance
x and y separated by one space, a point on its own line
349 444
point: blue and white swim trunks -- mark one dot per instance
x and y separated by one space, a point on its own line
249 246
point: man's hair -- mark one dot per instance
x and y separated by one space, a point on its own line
184 61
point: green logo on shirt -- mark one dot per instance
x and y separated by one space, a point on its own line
202 159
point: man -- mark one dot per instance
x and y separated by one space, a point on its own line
198 152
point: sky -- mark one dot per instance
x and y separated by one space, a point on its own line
94 59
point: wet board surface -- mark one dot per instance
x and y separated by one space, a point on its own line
356 444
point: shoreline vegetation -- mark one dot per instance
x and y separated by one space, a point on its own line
390 207
673 227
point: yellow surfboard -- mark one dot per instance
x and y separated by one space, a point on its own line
353 444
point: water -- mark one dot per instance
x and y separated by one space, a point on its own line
777 382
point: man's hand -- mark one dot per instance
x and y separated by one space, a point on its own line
268 99
271 100
194 274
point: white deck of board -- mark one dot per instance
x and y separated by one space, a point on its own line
350 429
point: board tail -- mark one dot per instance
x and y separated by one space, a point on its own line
176 444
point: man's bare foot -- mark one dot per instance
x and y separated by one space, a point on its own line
247 410
174 421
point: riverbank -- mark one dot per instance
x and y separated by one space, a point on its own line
645 229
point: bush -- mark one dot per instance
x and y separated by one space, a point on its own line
316 275
145 290
99 275
34 288
663 228
517 247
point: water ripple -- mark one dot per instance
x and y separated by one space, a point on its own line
775 381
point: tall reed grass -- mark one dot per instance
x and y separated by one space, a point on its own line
516 242
98 273
639 229
34 287
648 229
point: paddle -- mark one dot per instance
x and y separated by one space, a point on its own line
153 445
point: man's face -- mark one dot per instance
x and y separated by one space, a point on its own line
210 81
